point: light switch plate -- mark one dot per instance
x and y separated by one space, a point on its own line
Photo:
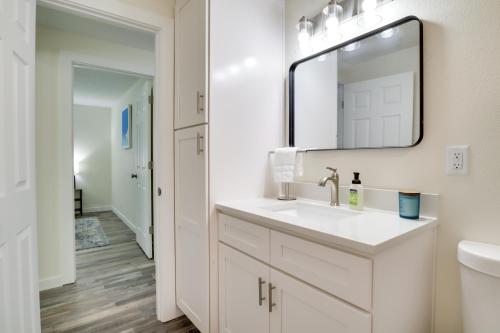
457 160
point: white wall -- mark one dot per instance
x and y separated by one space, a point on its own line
246 108
51 45
125 201
92 149
462 103
316 103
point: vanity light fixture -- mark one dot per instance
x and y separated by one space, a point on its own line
352 47
333 13
305 28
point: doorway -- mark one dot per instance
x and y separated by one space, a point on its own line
132 54
112 154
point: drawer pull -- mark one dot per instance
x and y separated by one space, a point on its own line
199 143
271 304
261 298
200 102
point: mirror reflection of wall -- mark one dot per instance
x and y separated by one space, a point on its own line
363 95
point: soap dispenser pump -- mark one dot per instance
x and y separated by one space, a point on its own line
356 193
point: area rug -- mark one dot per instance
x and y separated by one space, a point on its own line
89 233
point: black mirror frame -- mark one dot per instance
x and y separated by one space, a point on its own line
291 83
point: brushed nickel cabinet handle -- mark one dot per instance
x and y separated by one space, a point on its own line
271 304
199 143
261 298
199 102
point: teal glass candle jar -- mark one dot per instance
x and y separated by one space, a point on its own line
409 205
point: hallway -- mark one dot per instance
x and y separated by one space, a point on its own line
114 292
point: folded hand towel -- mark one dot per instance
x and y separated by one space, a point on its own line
286 164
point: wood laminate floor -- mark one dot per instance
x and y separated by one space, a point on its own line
114 290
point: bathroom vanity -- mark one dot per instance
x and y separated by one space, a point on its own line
304 266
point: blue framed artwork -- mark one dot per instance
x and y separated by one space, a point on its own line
127 127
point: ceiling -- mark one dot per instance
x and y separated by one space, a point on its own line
93 28
97 87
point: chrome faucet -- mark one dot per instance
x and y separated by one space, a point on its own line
333 179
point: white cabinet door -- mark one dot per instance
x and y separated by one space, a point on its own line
143 156
191 224
190 63
301 308
243 292
19 299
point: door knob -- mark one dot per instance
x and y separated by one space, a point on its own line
134 175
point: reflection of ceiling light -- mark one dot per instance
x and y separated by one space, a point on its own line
219 76
250 62
234 69
352 47
388 33
322 57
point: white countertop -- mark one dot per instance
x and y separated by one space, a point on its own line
369 231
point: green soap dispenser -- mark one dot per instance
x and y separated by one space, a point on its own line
356 193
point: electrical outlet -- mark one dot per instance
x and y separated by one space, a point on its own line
457 160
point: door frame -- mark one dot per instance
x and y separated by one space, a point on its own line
115 12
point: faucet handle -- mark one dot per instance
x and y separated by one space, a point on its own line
333 170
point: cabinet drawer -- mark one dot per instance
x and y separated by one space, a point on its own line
344 275
245 236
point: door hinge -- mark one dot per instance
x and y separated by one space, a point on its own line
151 229
150 165
151 99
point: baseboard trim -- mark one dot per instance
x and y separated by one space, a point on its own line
125 220
51 283
97 209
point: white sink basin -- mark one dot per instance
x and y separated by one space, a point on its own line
311 212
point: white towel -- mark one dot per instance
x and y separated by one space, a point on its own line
286 164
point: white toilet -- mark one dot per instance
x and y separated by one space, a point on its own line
480 275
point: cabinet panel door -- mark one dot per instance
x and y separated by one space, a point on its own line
240 280
245 236
190 63
301 308
191 224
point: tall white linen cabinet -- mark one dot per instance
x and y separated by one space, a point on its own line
229 111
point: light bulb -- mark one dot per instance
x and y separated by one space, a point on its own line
368 16
305 29
369 5
333 14
332 23
303 37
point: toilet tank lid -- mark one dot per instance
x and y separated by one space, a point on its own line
481 257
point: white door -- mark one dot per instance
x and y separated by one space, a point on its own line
379 112
191 224
190 62
243 293
19 300
142 120
301 308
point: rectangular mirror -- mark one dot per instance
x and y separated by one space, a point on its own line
365 93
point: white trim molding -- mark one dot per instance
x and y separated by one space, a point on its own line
51 283
97 209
